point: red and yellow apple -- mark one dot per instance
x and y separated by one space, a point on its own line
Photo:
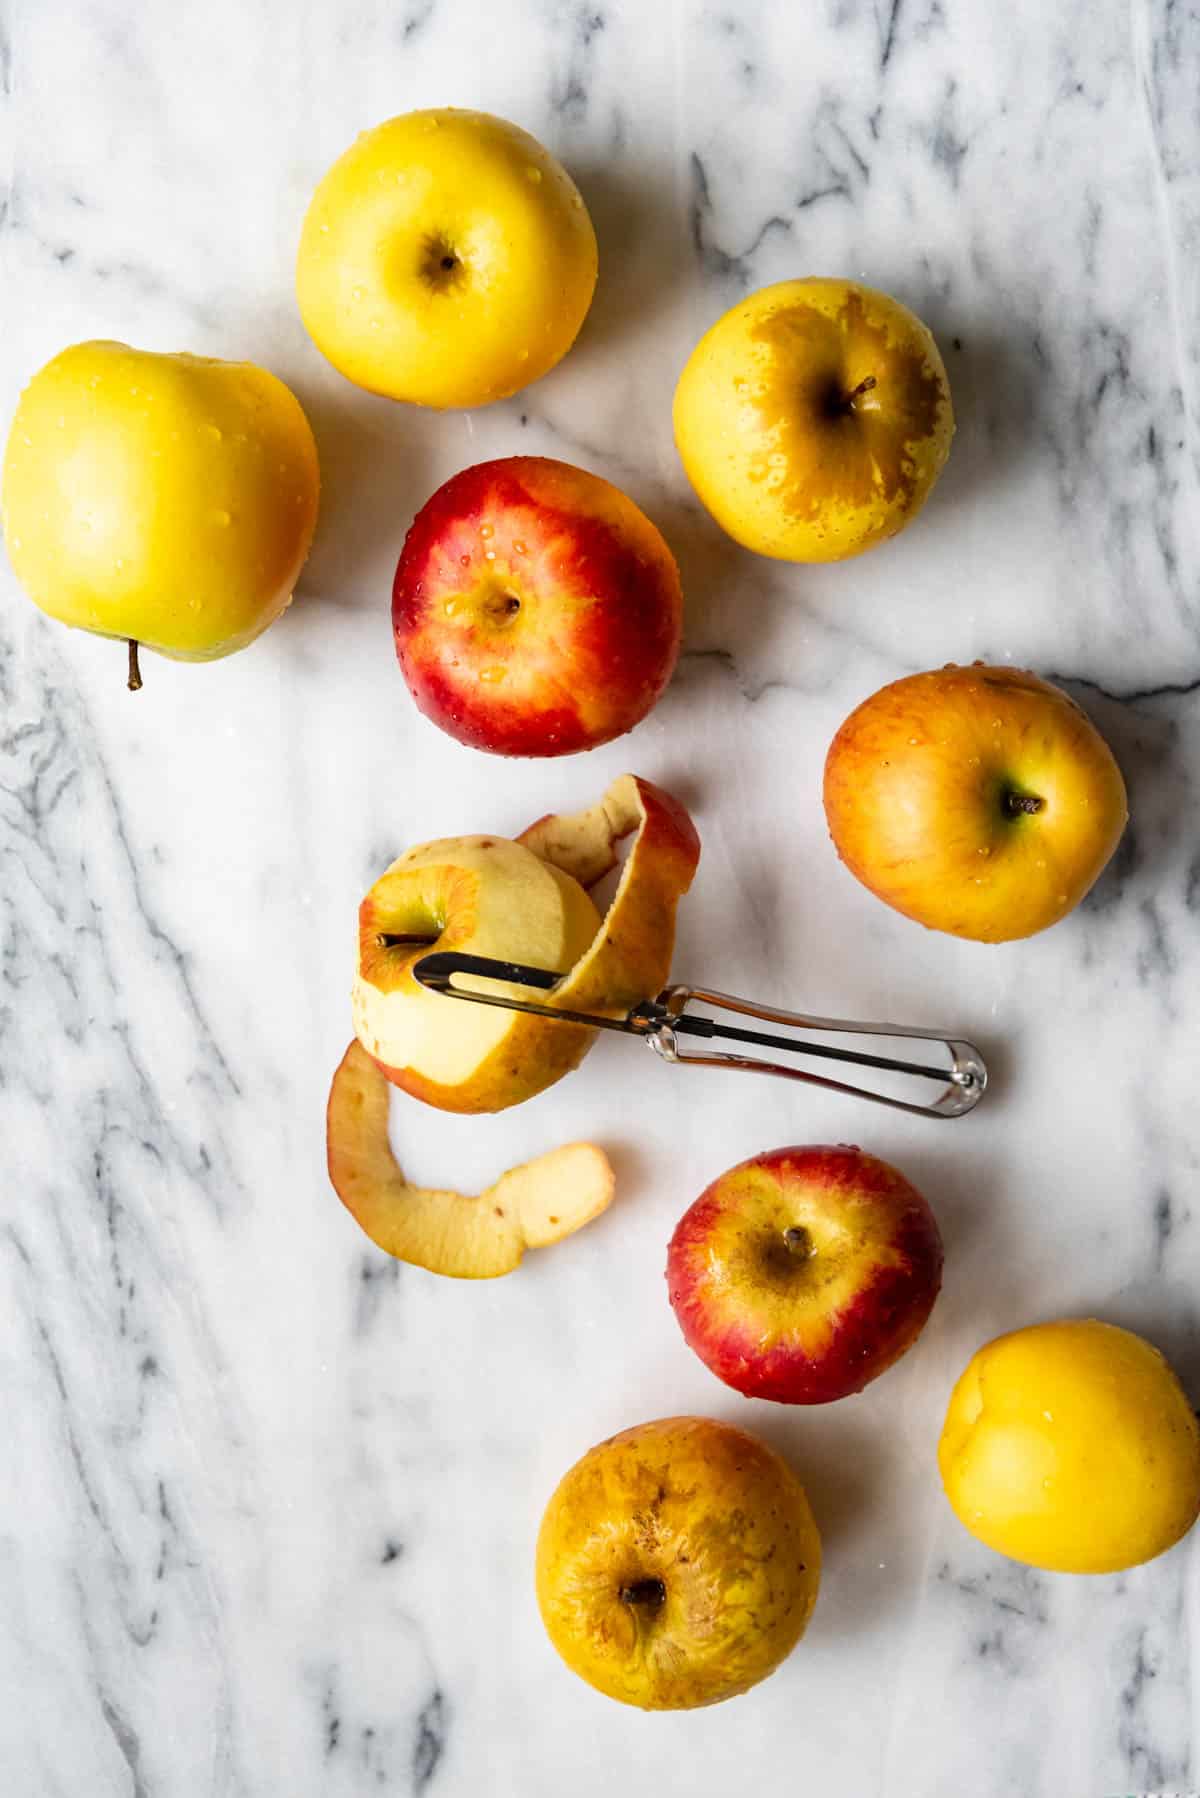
536 610
1072 1446
446 258
519 901
677 1564
444 1231
168 500
802 1274
813 419
979 801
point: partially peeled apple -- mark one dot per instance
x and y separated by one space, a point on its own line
526 901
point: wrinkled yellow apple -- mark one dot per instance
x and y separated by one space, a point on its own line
446 259
519 901
166 499
1071 1446
677 1564
447 1232
813 419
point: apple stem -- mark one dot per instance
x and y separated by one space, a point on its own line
799 1242
864 386
134 683
649 1592
1017 803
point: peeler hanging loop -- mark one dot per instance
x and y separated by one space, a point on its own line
959 1069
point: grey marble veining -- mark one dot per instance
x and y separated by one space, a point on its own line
267 1500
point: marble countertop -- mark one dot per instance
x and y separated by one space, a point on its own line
268 1500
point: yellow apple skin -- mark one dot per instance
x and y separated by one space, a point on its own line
483 896
677 1564
978 801
813 419
1071 1446
464 1237
446 259
170 499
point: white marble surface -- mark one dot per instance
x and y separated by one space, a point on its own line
267 1501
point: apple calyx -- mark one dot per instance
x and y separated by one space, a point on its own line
1022 804
648 1594
466 1237
799 1243
134 682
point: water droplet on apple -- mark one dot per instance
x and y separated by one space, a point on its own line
450 607
519 547
1040 864
495 673
486 530
532 174
215 432
324 230
489 555
221 517
357 293
465 560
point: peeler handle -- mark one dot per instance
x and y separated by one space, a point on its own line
963 1077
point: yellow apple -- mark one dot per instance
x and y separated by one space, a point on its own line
166 499
520 901
447 259
677 1564
813 419
447 1232
979 801
1071 1446
482 896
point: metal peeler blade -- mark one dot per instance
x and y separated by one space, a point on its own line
663 1021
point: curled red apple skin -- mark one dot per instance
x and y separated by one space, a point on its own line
536 610
448 1232
805 1273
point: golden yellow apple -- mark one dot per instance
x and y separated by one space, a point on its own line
445 1231
1071 1446
813 419
447 259
978 801
520 901
166 499
677 1564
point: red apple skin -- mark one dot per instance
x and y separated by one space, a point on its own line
536 610
807 1324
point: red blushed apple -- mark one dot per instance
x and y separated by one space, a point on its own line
804 1273
536 610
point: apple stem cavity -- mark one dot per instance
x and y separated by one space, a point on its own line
134 683
1022 804
798 1242
649 1594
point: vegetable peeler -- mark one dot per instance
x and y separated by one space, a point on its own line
663 1021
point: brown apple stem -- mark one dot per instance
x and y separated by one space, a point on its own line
864 386
798 1241
134 683
392 939
648 1592
1017 803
